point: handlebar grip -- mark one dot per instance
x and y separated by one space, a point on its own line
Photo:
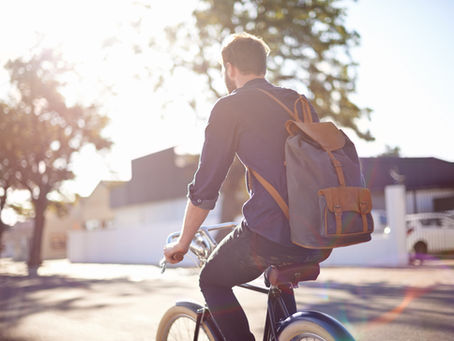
178 256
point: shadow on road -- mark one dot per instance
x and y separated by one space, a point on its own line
22 297
382 306
376 310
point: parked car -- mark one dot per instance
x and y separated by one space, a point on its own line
429 233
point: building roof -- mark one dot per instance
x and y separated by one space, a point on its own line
156 177
162 176
414 173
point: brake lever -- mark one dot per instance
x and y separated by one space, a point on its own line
163 262
163 265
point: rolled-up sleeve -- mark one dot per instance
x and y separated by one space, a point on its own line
217 155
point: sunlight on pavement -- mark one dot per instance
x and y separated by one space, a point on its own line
63 267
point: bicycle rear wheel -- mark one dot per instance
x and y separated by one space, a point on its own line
313 326
179 322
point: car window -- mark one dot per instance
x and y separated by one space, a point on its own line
448 223
431 222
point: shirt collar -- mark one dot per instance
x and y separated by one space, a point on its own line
255 83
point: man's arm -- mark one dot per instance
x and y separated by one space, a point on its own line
216 157
193 218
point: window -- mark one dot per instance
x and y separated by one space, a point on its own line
431 222
95 224
58 242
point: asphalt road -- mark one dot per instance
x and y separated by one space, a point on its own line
91 302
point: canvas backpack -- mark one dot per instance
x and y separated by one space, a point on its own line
328 205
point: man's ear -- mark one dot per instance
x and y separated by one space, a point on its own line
231 70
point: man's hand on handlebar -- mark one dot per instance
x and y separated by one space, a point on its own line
174 252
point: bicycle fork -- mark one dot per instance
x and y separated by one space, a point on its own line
200 317
275 302
204 316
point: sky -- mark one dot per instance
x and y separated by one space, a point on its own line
404 75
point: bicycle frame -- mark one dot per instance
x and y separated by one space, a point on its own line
271 323
202 245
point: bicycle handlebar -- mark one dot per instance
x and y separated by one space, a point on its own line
202 244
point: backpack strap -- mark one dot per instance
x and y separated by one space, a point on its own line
293 115
272 191
305 107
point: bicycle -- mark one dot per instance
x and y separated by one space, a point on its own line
191 321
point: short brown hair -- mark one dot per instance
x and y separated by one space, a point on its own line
246 52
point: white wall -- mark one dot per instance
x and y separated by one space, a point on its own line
138 235
133 216
140 232
135 245
424 199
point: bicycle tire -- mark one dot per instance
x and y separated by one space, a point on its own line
313 326
179 321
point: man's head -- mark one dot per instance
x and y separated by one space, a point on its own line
247 54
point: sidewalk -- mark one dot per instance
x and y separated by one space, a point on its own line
436 271
125 302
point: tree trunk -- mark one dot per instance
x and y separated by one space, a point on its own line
233 199
34 260
231 190
2 227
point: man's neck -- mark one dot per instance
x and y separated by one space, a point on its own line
241 79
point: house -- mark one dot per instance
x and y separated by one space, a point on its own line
16 240
94 211
145 211
86 213
429 181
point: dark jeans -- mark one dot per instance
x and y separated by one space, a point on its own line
240 258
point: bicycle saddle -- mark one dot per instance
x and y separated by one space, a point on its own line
291 274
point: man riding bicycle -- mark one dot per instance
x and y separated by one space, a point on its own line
248 124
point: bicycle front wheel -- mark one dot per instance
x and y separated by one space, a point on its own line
179 323
313 326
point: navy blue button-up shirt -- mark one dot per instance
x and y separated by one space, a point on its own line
252 125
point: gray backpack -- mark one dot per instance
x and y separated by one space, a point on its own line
328 206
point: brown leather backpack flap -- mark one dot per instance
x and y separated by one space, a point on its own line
343 198
324 133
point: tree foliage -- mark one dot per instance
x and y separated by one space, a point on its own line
310 49
391 151
44 132
8 162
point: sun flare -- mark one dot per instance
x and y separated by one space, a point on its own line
100 39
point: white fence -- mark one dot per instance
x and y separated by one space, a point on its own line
135 245
143 245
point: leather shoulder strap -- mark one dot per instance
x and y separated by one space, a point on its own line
305 107
293 115
272 191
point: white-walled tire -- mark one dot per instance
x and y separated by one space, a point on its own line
313 326
179 322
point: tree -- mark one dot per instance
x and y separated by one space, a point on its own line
310 50
46 132
391 151
8 160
